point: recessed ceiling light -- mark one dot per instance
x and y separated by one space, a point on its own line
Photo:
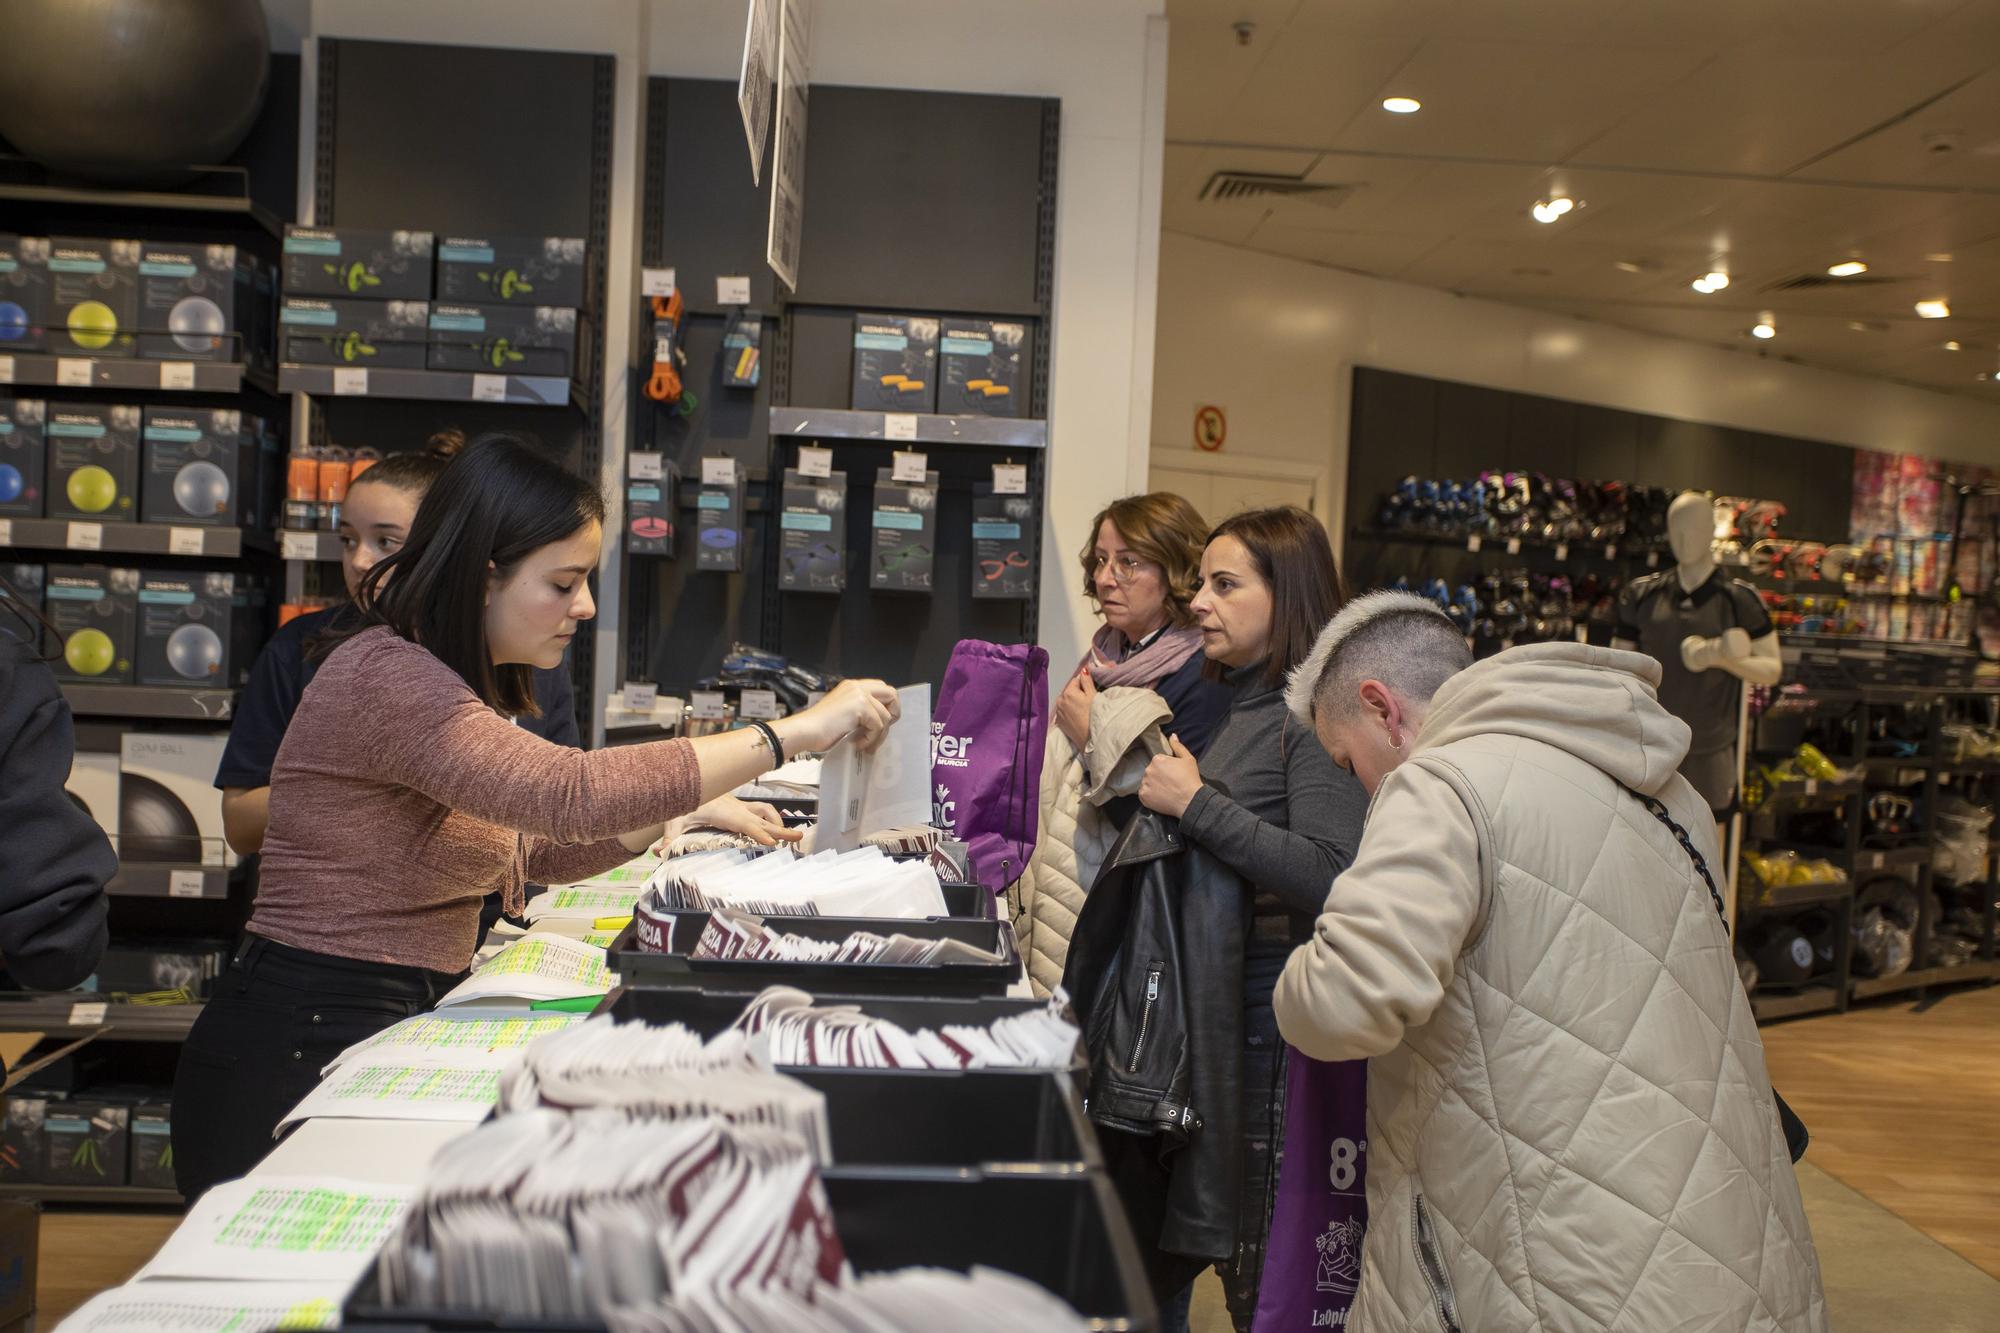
1938 309
1954 345
1402 106
1764 328
1717 279
1548 210
1848 269
1939 257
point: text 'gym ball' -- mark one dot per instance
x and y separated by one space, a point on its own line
202 489
194 652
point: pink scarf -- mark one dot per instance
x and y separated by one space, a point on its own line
1162 657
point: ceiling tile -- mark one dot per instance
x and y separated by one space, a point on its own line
1903 153
1382 254
1309 84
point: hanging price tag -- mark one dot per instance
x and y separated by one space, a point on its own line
899 426
910 467
639 696
185 541
1473 543
176 374
1562 550
86 537
709 705
489 388
88 1013
1513 546
645 466
760 704
299 545
186 884
656 282
718 472
1010 478
350 382
73 372
732 291
6 370
815 462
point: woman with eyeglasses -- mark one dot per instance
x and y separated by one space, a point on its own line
1141 679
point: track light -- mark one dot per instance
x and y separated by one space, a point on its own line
1848 269
1938 309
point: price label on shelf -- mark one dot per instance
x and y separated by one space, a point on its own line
1473 543
1812 786
176 374
489 388
1652 559
299 545
1513 546
6 532
1010 478
910 467
760 704
350 382
86 537
74 372
88 1013
709 705
1611 550
1877 860
732 291
899 426
639 696
185 541
718 472
656 282
1562 550
186 883
6 370
815 462
646 465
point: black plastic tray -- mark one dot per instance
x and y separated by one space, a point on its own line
636 967
1067 1232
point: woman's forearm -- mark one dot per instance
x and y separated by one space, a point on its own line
246 817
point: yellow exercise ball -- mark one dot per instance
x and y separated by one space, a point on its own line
92 489
90 652
92 325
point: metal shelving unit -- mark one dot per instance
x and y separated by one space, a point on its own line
830 423
150 701
79 1014
93 538
431 385
143 880
42 370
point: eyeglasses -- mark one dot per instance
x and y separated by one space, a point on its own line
1124 568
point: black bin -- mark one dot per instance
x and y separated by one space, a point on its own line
637 967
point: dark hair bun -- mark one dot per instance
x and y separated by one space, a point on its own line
444 445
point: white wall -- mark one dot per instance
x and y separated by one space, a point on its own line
1106 61
1274 341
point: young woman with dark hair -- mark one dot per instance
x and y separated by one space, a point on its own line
1267 803
403 793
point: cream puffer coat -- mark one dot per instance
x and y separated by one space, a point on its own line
1074 836
1569 1122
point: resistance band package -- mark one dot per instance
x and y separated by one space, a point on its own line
348 261
95 611
326 331
742 350
93 461
719 527
93 296
516 270
895 363
24 293
199 303
23 446
1003 533
905 523
503 339
813 544
979 368
651 493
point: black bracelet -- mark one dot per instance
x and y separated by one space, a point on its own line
771 739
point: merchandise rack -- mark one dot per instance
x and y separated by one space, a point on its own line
112 537
158 702
120 1196
76 1014
67 373
435 385
139 879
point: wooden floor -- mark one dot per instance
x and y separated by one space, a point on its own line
85 1251
1904 1106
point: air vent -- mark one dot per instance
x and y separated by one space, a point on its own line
1226 185
1807 282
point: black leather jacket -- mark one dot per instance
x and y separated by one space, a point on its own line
1155 971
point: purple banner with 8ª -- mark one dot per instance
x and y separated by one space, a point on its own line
1312 1262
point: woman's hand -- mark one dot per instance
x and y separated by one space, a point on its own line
862 709
1171 781
1073 708
755 820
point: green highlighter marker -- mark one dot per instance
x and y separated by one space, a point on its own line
581 1004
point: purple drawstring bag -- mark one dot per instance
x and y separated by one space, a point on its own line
988 728
1312 1260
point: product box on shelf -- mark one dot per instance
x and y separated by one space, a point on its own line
904 558
979 367
152 1146
157 967
201 466
93 784
168 777
1003 544
895 363
24 293
95 610
196 629
197 302
719 527
353 261
93 296
519 270
503 339
24 1150
337 331
650 513
27 580
23 457
87 1142
93 461
812 554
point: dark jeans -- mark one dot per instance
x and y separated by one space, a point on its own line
273 1020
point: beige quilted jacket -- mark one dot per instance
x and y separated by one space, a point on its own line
1074 837
1569 1122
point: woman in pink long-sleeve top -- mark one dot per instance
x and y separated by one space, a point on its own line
403 794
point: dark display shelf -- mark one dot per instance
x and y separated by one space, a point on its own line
1790 897
309 546
71 1014
125 1196
1811 1000
60 534
1868 988
142 880
216 194
832 423
429 385
42 370
152 701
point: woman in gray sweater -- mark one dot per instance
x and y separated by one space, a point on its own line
1266 801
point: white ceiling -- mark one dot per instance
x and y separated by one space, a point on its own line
1770 138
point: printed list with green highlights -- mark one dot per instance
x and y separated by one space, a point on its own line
210 1307
478 1043
385 1087
283 1228
290 1219
538 967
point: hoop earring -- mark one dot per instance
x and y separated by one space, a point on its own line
1396 744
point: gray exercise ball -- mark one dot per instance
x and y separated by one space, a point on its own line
132 92
194 652
202 489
